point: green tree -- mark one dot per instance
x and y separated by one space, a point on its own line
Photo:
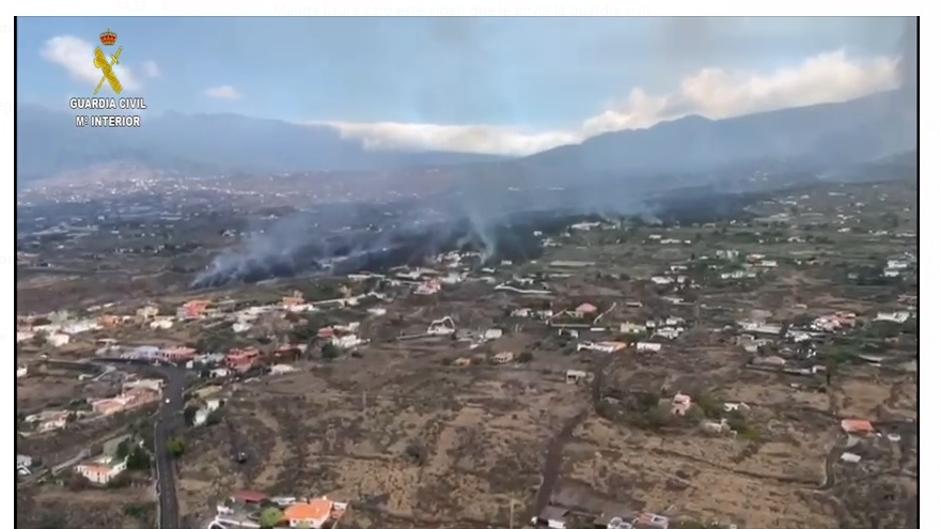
270 517
525 357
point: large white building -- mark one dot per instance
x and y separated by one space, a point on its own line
102 470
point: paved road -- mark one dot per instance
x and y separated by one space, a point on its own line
169 420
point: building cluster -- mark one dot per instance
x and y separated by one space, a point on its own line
245 508
134 394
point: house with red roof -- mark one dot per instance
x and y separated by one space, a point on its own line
177 355
585 309
857 427
312 514
241 360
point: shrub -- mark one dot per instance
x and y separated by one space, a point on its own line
329 351
176 447
417 453
215 417
657 416
710 406
123 449
189 414
77 482
646 401
695 414
138 459
119 481
140 511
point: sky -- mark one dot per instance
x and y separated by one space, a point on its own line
509 86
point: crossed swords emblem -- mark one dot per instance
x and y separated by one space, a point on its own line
107 72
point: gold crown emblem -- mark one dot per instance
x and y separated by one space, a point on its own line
108 38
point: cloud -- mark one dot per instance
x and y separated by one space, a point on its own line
717 93
76 55
489 139
151 69
711 92
223 92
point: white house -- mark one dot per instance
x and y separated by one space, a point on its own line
573 376
428 288
896 317
147 312
22 370
503 357
102 470
670 333
493 334
631 328
81 326
152 384
58 339
715 428
648 347
771 360
202 414
347 341
849 457
452 278
241 326
553 516
738 274
896 264
442 327
162 323
760 327
604 347
280 369
23 462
